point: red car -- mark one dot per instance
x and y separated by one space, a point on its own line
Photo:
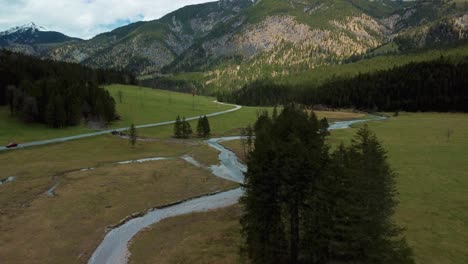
12 145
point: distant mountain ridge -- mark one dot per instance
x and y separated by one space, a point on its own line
237 41
32 39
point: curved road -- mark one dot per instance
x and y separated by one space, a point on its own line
93 134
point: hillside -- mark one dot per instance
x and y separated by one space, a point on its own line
234 42
242 39
334 36
148 46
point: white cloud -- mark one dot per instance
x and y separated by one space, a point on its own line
84 18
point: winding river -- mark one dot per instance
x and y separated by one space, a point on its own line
114 247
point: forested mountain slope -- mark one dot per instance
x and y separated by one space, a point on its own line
234 42
231 37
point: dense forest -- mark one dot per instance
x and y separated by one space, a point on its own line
55 93
304 204
439 85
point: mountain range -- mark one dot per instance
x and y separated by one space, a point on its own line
244 39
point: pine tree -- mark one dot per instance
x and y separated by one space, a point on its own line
200 128
206 127
379 237
361 203
262 225
288 157
186 128
178 128
336 211
132 135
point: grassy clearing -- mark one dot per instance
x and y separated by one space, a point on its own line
14 130
231 123
67 228
139 105
35 167
211 237
432 183
144 105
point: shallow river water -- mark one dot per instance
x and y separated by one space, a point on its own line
113 248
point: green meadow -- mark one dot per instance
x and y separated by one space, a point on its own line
429 153
432 181
145 105
139 106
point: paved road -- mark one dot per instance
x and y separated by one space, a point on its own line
102 132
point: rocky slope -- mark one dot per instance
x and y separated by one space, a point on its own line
327 32
145 47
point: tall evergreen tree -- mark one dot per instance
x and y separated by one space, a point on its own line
200 128
186 128
178 133
262 226
379 237
206 127
356 204
288 157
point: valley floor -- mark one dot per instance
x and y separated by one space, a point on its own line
432 181
63 196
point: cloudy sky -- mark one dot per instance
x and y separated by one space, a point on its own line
84 18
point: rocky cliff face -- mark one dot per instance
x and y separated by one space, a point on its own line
281 45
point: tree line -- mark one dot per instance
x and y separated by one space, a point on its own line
58 94
304 203
439 85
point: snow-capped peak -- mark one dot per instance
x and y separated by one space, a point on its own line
20 29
